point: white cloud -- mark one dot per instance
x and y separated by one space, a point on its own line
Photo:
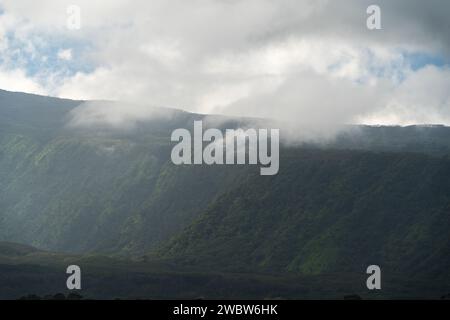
308 61
65 54
423 98
95 114
17 80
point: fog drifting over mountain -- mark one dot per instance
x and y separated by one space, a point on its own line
309 62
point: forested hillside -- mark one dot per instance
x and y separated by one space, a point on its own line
329 211
372 195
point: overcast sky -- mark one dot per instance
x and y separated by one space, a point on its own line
306 60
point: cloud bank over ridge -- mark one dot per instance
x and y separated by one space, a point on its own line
302 61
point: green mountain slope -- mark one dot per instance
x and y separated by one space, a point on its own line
329 211
95 189
372 195
88 193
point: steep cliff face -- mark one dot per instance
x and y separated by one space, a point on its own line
373 195
329 211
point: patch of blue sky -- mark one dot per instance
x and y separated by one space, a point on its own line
393 69
39 55
397 68
419 60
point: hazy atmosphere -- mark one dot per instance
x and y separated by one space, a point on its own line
211 150
306 61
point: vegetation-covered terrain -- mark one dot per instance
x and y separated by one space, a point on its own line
29 273
141 227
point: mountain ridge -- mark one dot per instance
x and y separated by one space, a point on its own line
370 195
